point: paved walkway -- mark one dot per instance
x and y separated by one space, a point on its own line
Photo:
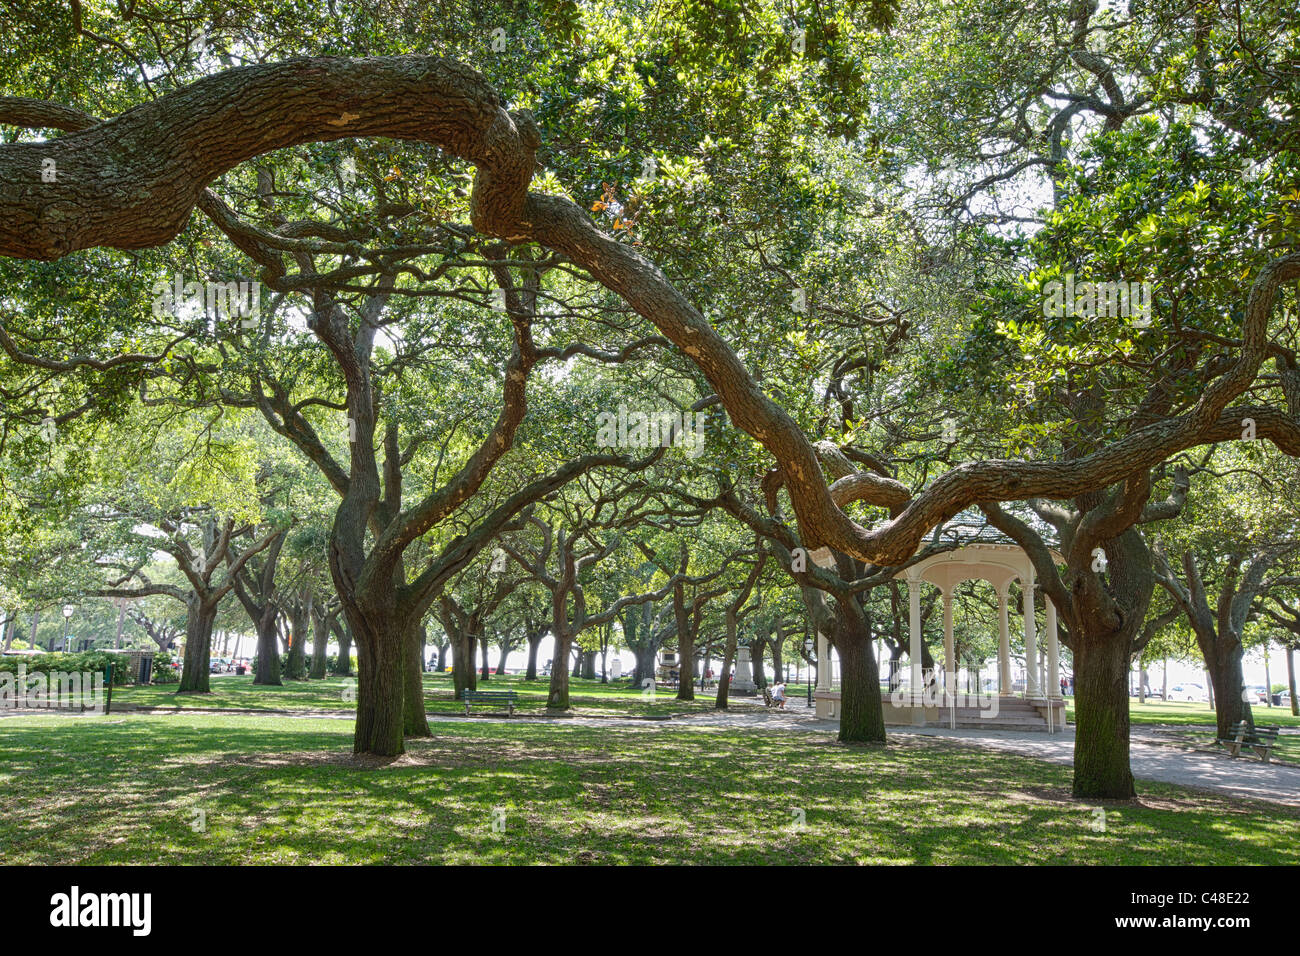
1153 754
1153 758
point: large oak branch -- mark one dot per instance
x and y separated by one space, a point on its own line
131 182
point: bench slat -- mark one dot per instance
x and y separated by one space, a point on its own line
504 698
1261 739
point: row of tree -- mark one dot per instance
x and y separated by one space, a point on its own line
839 225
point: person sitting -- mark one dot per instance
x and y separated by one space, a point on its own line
778 694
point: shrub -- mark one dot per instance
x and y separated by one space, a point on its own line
163 672
93 661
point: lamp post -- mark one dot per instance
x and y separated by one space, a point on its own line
67 627
808 652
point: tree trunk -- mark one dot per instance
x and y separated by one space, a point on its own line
728 657
862 715
380 696
295 666
501 657
196 675
1101 744
320 646
267 671
557 698
589 665
645 664
462 664
1290 681
756 647
414 721
1230 705
534 643
685 646
442 657
685 655
486 665
778 665
344 668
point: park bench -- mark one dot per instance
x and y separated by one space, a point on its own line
502 698
768 699
1260 739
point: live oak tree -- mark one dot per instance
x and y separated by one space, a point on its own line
1225 559
692 595
1201 246
463 609
1281 609
591 523
176 485
145 202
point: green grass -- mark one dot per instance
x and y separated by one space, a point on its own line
127 788
1191 713
588 698
1286 749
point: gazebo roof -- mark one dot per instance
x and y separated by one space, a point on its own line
984 553
999 564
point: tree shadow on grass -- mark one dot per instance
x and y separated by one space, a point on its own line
287 790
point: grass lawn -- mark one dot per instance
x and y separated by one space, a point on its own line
1287 747
128 788
1198 727
589 698
1191 713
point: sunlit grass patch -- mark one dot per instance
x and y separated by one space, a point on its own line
209 788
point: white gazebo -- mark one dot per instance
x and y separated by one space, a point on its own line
999 564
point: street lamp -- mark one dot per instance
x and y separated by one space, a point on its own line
67 626
808 652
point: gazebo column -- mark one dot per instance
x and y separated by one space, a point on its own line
1053 652
914 632
1004 643
949 662
1031 639
823 662
914 648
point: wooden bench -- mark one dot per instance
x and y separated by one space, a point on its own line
769 700
502 698
1262 740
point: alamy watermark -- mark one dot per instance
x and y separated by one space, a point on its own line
128 910
932 695
55 690
219 300
636 429
1128 300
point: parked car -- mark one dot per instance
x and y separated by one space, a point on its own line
1188 692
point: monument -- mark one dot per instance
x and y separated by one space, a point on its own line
743 682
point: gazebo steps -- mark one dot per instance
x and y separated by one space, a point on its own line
987 712
1012 713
